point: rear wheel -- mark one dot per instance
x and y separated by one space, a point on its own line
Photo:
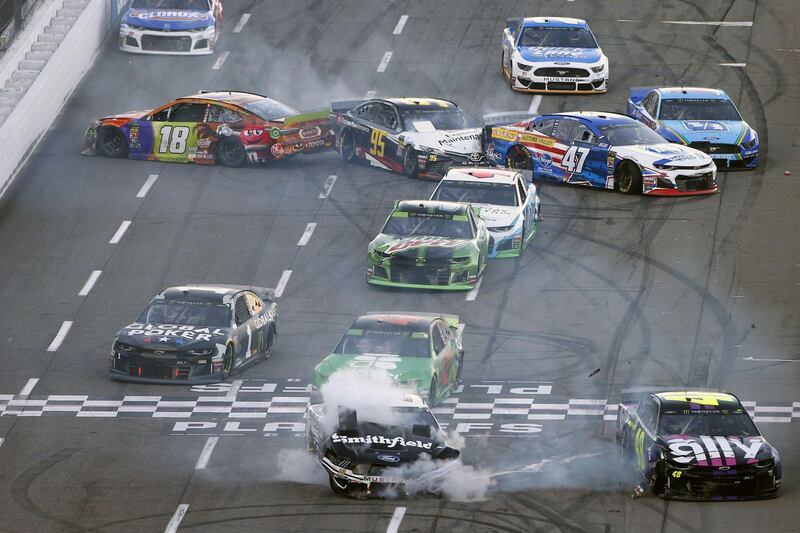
629 178
111 142
230 153
410 163
347 146
519 157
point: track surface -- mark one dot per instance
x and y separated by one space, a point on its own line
652 292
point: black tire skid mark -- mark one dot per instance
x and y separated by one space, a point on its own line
557 519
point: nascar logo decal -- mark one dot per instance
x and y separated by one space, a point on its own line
406 244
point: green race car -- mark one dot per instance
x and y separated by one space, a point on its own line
421 351
430 245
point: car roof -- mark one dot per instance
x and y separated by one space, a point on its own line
431 207
207 293
697 400
230 97
555 22
403 322
598 118
480 175
692 92
420 103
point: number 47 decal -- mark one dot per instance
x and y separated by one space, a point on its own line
574 159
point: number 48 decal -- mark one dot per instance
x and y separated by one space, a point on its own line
173 139
574 159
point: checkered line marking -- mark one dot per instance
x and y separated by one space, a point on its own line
454 408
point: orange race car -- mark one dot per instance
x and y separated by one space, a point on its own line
226 127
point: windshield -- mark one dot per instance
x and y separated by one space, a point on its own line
405 343
269 109
472 192
629 134
186 5
723 423
187 313
557 37
422 120
433 225
684 109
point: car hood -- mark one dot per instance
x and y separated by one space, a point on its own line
168 19
693 450
664 154
172 336
466 141
433 247
402 368
565 56
715 131
496 215
383 445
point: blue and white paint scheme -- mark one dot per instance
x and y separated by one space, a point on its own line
177 27
705 119
553 54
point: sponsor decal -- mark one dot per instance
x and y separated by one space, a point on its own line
705 449
314 144
277 150
134 136
389 442
504 135
275 133
388 458
308 133
704 125
171 331
449 139
418 242
545 160
169 15
537 139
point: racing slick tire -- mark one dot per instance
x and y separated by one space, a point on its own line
270 343
658 483
347 146
432 392
518 157
227 362
111 142
629 178
460 371
410 163
230 153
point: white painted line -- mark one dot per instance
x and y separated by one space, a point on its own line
787 50
28 388
534 108
326 189
770 360
385 61
397 517
180 512
400 24
281 286
740 65
371 94
220 60
707 23
120 232
205 455
307 234
90 282
2 441
234 390
146 187
471 295
241 23
60 336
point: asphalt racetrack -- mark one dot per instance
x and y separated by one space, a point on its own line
695 292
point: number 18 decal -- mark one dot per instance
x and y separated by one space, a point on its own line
574 159
173 139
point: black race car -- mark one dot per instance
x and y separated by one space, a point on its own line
695 445
196 334
370 455
418 137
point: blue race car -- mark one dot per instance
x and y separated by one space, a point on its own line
705 119
185 27
554 55
604 150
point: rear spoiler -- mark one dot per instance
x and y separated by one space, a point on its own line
635 94
452 321
635 394
507 117
343 106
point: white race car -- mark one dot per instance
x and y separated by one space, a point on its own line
176 27
551 54
503 199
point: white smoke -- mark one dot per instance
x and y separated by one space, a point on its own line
300 466
451 479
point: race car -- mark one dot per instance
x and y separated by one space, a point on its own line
382 452
705 119
554 55
185 27
697 445
429 245
603 150
229 128
501 198
196 334
421 351
418 137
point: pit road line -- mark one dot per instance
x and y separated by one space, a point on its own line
90 282
205 455
175 521
307 234
120 232
400 24
221 60
385 61
471 295
146 187
60 336
281 286
397 517
241 23
28 388
326 189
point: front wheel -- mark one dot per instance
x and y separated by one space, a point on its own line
410 163
269 344
629 178
230 153
518 157
111 142
227 362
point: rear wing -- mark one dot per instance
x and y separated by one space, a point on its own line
452 321
636 94
507 117
343 106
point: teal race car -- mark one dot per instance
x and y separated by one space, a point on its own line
429 245
420 351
